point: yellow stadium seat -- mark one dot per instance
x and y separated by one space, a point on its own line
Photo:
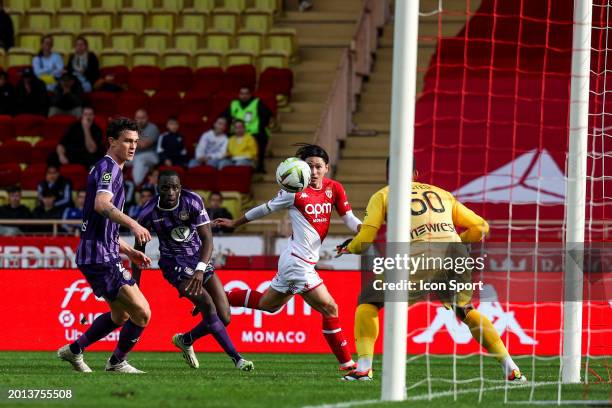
96 39
239 57
173 5
283 39
157 40
63 41
2 58
142 4
111 58
123 40
111 5
186 40
49 5
16 18
80 5
19 56
17 5
269 58
251 41
207 58
143 56
226 20
38 19
72 20
218 40
194 20
203 5
268 5
257 20
133 19
238 5
176 58
103 20
162 20
30 40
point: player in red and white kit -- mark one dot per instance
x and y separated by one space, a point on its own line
310 213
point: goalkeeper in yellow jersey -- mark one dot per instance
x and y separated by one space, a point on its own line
435 213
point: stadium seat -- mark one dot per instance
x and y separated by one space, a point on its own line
101 19
192 126
176 79
112 57
249 40
237 262
70 19
130 101
217 40
194 20
18 5
225 20
283 39
33 174
30 40
51 5
7 130
203 5
238 76
112 5
178 169
264 262
257 20
239 57
42 150
268 5
123 40
2 58
38 19
163 105
272 59
269 99
173 58
10 174
133 19
19 57
145 77
221 102
76 173
201 178
207 58
208 80
187 40
80 5
145 56
95 38
28 125
14 73
196 103
63 41
276 80
162 20
120 72
173 5
155 39
55 127
104 103
235 178
238 5
143 4
17 18
15 151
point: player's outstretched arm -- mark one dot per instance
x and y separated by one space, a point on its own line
105 207
476 228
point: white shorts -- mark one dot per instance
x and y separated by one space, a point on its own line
295 275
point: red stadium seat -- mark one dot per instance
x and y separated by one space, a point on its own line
120 72
10 174
163 105
7 130
238 76
237 262
178 169
221 103
144 77
269 99
29 125
42 150
197 103
14 73
208 80
32 175
104 103
235 178
176 79
130 101
201 178
276 80
264 262
56 126
16 151
76 173
193 125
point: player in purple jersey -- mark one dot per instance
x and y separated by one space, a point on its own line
179 219
98 255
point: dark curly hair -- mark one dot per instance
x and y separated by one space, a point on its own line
311 150
119 125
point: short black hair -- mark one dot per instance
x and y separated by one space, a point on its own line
168 173
119 125
212 193
48 192
15 188
148 190
311 150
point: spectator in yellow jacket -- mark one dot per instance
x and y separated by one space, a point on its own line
241 148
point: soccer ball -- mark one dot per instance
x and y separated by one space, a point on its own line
293 175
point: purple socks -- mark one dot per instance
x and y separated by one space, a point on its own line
212 325
129 336
101 327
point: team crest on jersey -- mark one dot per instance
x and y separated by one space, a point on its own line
127 275
328 193
184 215
181 233
188 270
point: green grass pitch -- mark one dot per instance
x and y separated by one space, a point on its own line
283 380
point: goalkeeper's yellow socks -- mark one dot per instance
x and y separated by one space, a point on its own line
484 333
366 333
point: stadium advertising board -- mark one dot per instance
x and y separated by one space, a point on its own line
55 305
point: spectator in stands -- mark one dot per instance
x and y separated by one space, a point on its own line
7 33
82 143
152 179
31 94
241 148
7 95
146 155
216 210
304 5
48 65
84 64
14 210
61 187
212 146
146 193
256 117
68 97
46 210
170 146
74 213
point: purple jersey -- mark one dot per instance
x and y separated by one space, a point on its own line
176 228
99 235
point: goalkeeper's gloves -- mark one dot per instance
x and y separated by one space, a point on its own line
342 248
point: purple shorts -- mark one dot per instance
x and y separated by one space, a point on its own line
176 270
106 279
